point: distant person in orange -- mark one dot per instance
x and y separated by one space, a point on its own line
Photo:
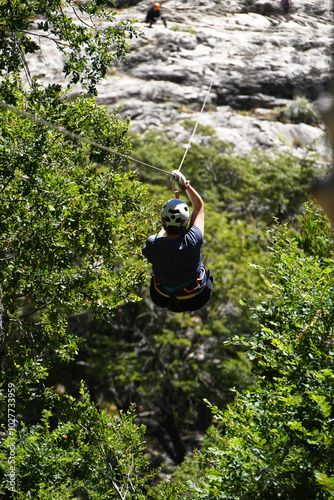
286 5
154 14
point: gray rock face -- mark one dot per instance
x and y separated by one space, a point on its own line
254 61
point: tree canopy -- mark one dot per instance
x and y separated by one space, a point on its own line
86 33
71 228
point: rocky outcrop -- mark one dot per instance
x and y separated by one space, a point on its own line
255 61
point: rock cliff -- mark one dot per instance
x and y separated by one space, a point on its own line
256 62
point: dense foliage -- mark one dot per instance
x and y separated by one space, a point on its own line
168 363
66 226
88 454
84 32
71 229
276 439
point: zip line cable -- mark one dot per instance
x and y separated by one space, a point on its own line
62 130
200 113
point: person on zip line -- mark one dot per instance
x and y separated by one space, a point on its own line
179 281
154 14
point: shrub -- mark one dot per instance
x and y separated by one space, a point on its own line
77 451
300 110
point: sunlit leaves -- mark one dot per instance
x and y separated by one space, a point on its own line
90 452
71 228
85 32
278 437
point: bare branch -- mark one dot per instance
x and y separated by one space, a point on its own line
106 459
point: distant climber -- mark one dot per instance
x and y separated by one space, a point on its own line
180 281
154 14
286 5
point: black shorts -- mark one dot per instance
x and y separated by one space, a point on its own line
184 305
286 7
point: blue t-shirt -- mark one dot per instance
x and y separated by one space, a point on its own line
175 261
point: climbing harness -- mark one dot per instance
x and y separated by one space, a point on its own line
181 292
183 299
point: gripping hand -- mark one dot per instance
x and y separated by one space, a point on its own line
179 178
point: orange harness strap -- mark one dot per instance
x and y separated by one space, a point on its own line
198 282
181 297
191 293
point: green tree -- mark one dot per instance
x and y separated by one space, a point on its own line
71 226
89 454
84 32
71 229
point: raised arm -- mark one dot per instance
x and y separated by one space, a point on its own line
197 216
